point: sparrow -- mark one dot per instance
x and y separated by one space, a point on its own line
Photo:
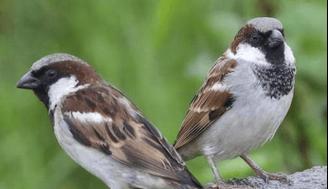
244 99
103 131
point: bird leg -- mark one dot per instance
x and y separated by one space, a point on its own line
215 171
261 173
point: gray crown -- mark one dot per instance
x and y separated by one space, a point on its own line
265 24
52 58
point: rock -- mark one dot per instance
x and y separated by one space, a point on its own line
314 178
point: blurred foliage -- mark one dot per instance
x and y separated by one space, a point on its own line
157 53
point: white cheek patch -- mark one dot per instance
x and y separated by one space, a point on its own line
248 53
61 88
93 117
252 54
289 56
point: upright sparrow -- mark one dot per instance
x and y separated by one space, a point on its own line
244 99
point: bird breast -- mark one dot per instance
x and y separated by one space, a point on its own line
252 120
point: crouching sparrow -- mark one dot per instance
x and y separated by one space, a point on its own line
101 130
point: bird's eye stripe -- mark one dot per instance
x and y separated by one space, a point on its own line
37 73
256 37
51 73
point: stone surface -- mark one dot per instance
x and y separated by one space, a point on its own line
314 178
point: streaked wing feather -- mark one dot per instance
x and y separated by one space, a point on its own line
128 138
208 105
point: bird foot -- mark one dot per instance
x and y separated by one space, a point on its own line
226 186
273 176
214 186
217 185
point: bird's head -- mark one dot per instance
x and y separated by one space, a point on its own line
262 40
57 75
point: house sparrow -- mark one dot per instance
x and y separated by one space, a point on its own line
244 99
101 130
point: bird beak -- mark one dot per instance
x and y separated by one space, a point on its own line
276 39
28 82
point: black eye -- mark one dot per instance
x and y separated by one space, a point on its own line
51 74
256 38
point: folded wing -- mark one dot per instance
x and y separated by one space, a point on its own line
211 102
123 133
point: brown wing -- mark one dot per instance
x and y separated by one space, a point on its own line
208 105
123 133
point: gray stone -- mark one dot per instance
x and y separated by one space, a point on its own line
314 178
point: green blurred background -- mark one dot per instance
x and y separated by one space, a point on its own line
157 53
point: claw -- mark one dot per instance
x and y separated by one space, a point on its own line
214 186
264 175
271 176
